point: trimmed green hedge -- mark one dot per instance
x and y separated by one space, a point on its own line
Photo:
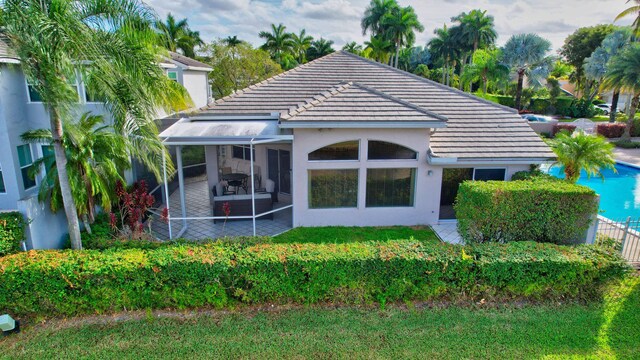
67 282
11 232
539 209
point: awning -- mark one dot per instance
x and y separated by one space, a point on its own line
194 131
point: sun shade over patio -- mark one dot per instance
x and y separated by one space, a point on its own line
225 131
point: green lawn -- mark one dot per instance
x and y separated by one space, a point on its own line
607 330
340 234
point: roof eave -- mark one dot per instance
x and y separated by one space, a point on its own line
362 124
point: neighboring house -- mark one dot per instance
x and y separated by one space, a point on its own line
348 141
21 110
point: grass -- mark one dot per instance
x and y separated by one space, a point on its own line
606 330
627 144
341 234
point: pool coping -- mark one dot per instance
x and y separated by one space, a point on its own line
628 164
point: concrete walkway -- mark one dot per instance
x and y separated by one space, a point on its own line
631 156
447 231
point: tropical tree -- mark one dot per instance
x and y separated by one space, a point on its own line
595 66
237 67
353 47
112 46
477 28
277 42
301 43
176 35
631 11
485 67
374 14
379 49
444 48
96 160
623 73
400 26
232 41
320 48
418 56
526 54
579 152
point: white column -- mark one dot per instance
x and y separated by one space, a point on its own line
253 193
211 159
166 191
183 206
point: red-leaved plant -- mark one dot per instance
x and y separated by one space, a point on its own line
132 208
226 208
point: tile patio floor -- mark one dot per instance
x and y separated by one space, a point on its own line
197 203
447 231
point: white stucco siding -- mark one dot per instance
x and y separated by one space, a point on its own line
426 196
197 85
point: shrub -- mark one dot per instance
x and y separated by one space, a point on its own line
627 144
539 210
183 276
560 127
563 104
11 232
610 130
540 106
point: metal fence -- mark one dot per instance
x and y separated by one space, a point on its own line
626 232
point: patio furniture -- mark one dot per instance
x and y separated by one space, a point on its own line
237 180
585 125
240 205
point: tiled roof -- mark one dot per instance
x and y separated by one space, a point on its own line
476 128
188 61
353 102
5 51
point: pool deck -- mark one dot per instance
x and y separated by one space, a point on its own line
630 156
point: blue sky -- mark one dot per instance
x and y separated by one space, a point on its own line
339 20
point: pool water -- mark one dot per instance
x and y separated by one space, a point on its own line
619 192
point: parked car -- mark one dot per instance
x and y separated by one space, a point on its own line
536 118
607 108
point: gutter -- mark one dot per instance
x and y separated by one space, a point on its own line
362 124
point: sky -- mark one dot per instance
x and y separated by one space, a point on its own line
339 20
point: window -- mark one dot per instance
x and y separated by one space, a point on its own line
34 96
26 164
348 150
489 174
49 157
243 152
333 188
390 187
172 75
92 97
382 150
3 189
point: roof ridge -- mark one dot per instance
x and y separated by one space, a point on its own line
429 81
339 88
270 79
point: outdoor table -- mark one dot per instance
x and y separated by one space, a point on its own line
236 180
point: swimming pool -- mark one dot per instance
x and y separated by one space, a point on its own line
619 192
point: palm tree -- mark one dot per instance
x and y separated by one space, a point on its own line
277 42
485 66
631 11
372 19
379 48
232 41
171 31
444 47
579 152
189 41
523 53
320 48
301 44
623 73
96 160
112 48
400 25
478 28
353 47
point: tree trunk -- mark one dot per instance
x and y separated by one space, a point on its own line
484 84
614 106
87 223
443 72
519 89
397 54
65 188
461 83
632 115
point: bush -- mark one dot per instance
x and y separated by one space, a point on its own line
220 275
610 130
538 210
563 104
627 144
540 106
560 127
11 232
499 99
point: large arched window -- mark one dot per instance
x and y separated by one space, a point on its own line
382 150
347 150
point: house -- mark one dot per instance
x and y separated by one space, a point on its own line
21 110
343 140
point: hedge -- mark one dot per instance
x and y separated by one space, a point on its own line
67 282
11 232
539 209
560 126
610 130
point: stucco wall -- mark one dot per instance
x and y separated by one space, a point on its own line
45 230
197 85
428 178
